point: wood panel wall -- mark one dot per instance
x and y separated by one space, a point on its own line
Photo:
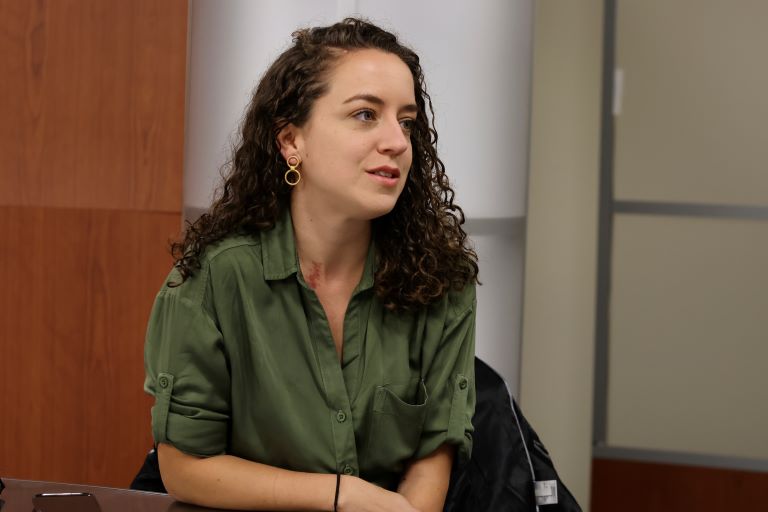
91 156
630 486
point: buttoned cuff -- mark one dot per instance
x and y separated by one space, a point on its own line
458 430
186 428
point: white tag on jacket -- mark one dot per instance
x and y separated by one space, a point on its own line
546 492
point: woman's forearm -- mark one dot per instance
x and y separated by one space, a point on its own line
426 480
225 481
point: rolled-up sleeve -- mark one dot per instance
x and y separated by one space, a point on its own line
450 380
187 372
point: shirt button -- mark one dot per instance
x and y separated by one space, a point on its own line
463 384
163 381
341 417
348 470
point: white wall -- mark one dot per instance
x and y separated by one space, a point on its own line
476 58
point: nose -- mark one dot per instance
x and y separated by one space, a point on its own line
393 140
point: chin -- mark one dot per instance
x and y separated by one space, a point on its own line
374 211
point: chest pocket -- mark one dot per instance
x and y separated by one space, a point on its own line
395 427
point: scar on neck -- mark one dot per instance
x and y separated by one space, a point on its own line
314 275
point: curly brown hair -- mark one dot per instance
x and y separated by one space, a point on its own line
422 251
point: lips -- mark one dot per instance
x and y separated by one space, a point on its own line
385 172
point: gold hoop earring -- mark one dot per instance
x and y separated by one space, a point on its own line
292 175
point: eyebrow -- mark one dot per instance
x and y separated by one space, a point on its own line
370 98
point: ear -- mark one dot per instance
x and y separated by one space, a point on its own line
289 140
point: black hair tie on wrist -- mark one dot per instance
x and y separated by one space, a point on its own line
336 498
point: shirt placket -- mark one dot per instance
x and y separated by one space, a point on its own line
337 396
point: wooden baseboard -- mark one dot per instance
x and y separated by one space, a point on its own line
631 486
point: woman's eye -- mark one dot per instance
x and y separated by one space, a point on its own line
407 124
365 115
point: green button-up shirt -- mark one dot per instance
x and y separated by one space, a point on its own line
240 360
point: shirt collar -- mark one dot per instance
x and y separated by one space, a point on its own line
278 249
280 259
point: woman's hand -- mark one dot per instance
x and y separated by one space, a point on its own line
357 495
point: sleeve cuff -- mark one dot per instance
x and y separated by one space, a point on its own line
185 429
459 428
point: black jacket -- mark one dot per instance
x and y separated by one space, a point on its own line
506 453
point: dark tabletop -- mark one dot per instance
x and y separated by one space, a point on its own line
18 494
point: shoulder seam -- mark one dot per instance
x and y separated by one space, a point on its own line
188 302
232 243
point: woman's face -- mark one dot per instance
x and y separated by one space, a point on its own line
356 146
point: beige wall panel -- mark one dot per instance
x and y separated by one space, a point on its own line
688 356
561 236
693 122
92 103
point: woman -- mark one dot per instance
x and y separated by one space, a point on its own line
313 348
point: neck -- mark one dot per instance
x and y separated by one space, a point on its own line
331 248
